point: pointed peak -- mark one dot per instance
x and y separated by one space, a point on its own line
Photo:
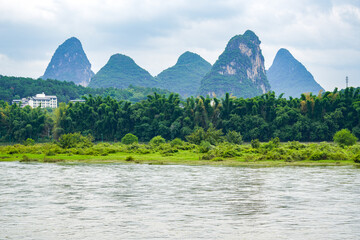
72 41
284 53
247 36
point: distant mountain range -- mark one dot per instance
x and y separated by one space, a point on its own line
287 75
69 63
239 70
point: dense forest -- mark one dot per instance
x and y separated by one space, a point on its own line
308 118
18 87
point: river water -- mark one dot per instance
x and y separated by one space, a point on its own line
114 201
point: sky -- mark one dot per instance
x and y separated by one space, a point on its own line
323 35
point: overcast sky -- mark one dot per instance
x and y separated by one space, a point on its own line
324 35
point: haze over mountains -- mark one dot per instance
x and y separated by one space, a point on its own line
239 71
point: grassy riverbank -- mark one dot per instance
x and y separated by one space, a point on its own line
179 152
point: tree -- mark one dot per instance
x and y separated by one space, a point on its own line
129 139
344 138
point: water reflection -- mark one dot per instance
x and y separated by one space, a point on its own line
49 201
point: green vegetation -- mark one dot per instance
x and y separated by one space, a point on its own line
345 138
185 76
120 72
17 88
72 140
270 153
307 119
129 139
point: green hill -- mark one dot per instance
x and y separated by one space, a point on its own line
185 76
120 72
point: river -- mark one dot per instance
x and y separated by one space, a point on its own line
117 201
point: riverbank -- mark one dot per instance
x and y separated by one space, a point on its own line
264 155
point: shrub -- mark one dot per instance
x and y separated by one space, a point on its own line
177 142
233 137
72 140
29 142
129 139
197 136
207 156
255 143
129 158
156 141
357 158
211 135
318 156
344 138
204 147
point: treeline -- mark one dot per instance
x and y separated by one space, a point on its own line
308 118
18 87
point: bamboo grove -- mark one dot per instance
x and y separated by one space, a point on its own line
308 118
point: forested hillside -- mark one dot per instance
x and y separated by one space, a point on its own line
308 118
17 87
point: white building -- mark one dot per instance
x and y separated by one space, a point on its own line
39 100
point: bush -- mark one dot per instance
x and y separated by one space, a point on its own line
318 156
204 147
234 137
177 142
211 135
29 142
156 141
129 139
344 138
357 158
129 158
255 143
72 140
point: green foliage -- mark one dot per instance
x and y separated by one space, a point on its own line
255 143
344 138
233 137
177 142
357 158
72 140
197 136
129 139
29 142
211 135
157 141
129 158
204 147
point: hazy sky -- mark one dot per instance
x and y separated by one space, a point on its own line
323 35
